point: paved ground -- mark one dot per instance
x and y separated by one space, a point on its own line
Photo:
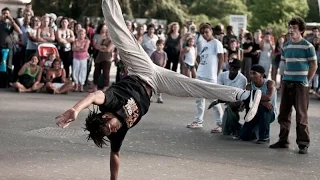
160 147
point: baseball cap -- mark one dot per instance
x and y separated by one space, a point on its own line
235 63
258 68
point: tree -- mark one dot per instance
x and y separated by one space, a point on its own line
313 15
219 10
69 8
275 12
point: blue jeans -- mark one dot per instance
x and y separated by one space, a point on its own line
259 126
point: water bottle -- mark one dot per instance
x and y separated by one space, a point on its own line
3 62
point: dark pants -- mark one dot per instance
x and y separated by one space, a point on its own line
18 61
29 53
105 67
246 66
296 95
230 121
66 57
89 66
173 58
259 126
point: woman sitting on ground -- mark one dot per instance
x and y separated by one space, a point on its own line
56 79
29 77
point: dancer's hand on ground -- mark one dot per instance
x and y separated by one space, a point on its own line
67 117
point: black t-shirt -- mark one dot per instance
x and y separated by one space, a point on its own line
232 54
255 57
246 46
129 101
5 31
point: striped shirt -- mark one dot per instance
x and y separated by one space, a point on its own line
297 57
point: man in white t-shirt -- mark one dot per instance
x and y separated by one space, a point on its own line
149 40
233 78
211 59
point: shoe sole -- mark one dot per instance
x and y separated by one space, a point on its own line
193 127
253 110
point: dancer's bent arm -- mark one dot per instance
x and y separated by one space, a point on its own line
70 115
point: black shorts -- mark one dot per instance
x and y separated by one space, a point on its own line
189 67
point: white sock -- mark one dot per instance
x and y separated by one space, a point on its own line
243 95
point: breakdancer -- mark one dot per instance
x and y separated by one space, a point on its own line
124 103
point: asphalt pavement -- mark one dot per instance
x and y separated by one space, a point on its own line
160 147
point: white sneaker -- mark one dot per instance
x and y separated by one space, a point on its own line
253 105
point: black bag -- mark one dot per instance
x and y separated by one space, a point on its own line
4 79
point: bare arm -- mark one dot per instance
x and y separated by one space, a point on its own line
59 39
270 92
97 98
313 65
71 38
75 47
51 38
15 26
39 38
221 59
86 47
23 69
39 74
114 165
32 38
63 76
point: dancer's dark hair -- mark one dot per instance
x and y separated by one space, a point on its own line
95 125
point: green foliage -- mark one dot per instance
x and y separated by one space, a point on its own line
276 12
313 15
219 10
260 13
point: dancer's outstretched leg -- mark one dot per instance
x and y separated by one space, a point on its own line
130 51
160 79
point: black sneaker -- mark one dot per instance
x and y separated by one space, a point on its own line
303 149
215 102
278 145
263 141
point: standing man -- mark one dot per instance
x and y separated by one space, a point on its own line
7 26
300 62
211 59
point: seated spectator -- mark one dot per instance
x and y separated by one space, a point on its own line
29 77
259 127
56 79
232 77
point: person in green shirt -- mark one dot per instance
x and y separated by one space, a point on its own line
29 77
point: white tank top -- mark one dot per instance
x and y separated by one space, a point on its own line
190 57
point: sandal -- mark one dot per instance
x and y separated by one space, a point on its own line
217 129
